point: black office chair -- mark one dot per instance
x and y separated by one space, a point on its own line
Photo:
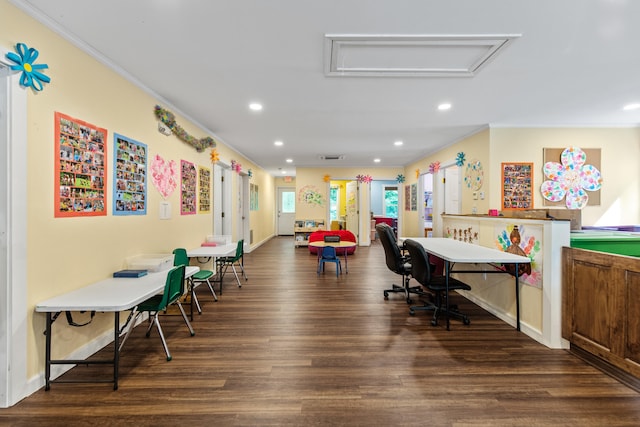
396 262
421 270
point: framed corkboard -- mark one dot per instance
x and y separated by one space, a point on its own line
594 157
517 186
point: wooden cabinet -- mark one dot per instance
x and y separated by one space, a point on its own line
601 306
303 227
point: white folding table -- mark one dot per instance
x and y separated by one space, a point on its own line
109 295
455 251
213 253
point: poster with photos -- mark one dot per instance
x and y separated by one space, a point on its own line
204 181
517 185
407 197
130 171
253 197
188 180
414 197
79 168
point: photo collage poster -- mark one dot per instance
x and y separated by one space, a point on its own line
189 181
204 201
80 173
130 170
517 186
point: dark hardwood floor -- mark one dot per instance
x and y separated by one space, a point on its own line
291 348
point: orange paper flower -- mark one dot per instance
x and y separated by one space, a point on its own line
327 178
214 156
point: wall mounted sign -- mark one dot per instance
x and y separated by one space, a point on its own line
188 177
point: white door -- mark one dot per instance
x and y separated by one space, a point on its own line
352 207
286 210
452 190
221 200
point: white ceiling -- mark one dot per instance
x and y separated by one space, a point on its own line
575 63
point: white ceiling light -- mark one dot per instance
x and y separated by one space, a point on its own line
289 160
254 106
398 143
278 143
444 106
284 172
376 160
630 107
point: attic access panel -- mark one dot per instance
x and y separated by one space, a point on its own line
411 55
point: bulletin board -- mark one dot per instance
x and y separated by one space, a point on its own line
204 186
188 178
594 156
79 168
517 186
130 171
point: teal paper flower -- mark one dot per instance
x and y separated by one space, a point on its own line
24 60
460 159
400 178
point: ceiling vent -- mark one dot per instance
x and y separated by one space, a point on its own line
411 55
332 157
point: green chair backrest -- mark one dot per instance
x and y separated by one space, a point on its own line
239 250
180 257
174 286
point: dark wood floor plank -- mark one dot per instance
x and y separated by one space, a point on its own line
294 348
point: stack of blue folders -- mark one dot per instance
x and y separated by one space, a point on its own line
130 273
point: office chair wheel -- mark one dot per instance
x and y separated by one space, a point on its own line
386 295
409 300
434 322
466 321
412 312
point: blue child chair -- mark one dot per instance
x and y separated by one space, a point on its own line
329 255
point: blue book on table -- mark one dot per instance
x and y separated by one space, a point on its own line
130 273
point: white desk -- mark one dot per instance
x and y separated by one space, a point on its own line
214 252
454 251
109 295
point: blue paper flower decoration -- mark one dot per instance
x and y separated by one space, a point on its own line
460 159
24 60
400 178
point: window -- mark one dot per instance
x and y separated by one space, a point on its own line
390 195
334 205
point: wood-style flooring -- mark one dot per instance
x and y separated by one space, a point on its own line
293 348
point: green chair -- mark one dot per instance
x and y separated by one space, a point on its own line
173 291
230 261
180 258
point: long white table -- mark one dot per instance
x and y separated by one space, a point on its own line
213 253
109 295
454 251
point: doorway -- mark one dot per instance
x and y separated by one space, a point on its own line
286 211
13 236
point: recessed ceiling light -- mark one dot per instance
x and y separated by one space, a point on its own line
289 160
376 160
633 106
398 143
444 106
254 106
284 172
278 143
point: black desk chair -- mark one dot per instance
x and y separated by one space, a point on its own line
421 270
396 262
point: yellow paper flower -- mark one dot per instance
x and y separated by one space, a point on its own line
214 156
417 173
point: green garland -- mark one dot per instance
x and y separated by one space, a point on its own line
167 117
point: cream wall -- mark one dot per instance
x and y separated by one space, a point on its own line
620 194
475 147
620 162
315 177
68 253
